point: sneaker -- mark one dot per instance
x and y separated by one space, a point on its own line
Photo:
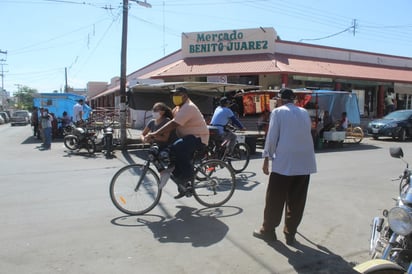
263 235
180 195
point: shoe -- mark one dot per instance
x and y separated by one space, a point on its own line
290 239
180 195
266 236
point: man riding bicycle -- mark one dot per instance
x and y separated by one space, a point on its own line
221 117
191 130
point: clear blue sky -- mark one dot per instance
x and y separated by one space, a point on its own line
43 37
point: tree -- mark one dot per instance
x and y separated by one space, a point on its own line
24 97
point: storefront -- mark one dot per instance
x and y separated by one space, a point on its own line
258 57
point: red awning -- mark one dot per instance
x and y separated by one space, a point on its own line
281 63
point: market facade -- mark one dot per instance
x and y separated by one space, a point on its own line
257 57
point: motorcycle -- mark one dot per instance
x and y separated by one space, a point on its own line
81 138
107 143
391 236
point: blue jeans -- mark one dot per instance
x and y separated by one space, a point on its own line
183 149
47 136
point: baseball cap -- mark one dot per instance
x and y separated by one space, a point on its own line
179 90
223 100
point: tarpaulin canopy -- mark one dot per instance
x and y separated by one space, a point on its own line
337 102
57 103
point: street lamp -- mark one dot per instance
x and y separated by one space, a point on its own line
143 4
123 57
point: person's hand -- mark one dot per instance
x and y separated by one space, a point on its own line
150 137
265 167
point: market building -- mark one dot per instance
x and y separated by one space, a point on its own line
258 57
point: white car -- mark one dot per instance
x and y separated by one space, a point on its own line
20 117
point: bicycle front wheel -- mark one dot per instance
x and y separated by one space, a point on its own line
239 158
135 190
214 184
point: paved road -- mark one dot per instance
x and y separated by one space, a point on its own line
57 217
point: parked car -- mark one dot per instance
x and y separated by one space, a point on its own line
5 116
20 117
1 120
397 124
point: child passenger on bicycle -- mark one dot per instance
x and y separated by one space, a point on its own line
161 114
221 117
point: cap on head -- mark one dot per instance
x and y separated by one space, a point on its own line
286 94
179 90
223 101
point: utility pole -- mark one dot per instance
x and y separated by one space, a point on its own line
123 60
65 78
2 70
122 92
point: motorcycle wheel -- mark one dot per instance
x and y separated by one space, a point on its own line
90 146
71 142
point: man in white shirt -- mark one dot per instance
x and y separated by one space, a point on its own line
78 112
289 146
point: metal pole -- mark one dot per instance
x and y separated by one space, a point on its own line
122 91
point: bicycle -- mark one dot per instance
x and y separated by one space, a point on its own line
218 149
136 189
354 134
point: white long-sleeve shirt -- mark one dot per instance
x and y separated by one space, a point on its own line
289 142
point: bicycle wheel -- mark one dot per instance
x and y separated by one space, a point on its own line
134 189
357 134
214 184
239 158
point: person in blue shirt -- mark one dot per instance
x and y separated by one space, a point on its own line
221 117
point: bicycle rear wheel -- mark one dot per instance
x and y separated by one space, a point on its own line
357 134
239 158
134 189
214 184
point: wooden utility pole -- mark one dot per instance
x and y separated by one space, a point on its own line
122 92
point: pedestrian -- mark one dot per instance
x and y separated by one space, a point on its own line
389 104
78 112
35 121
46 124
192 132
289 146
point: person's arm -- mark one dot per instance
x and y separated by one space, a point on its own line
167 128
237 122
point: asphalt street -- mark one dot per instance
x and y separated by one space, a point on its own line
57 216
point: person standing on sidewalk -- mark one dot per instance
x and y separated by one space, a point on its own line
78 112
46 124
289 146
35 121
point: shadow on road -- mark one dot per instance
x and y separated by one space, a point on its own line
346 147
310 260
187 226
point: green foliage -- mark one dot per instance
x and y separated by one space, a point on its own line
24 97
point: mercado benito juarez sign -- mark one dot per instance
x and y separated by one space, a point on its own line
228 42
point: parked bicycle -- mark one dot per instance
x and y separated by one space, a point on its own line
238 159
136 189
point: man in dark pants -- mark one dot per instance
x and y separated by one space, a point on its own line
192 131
289 146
